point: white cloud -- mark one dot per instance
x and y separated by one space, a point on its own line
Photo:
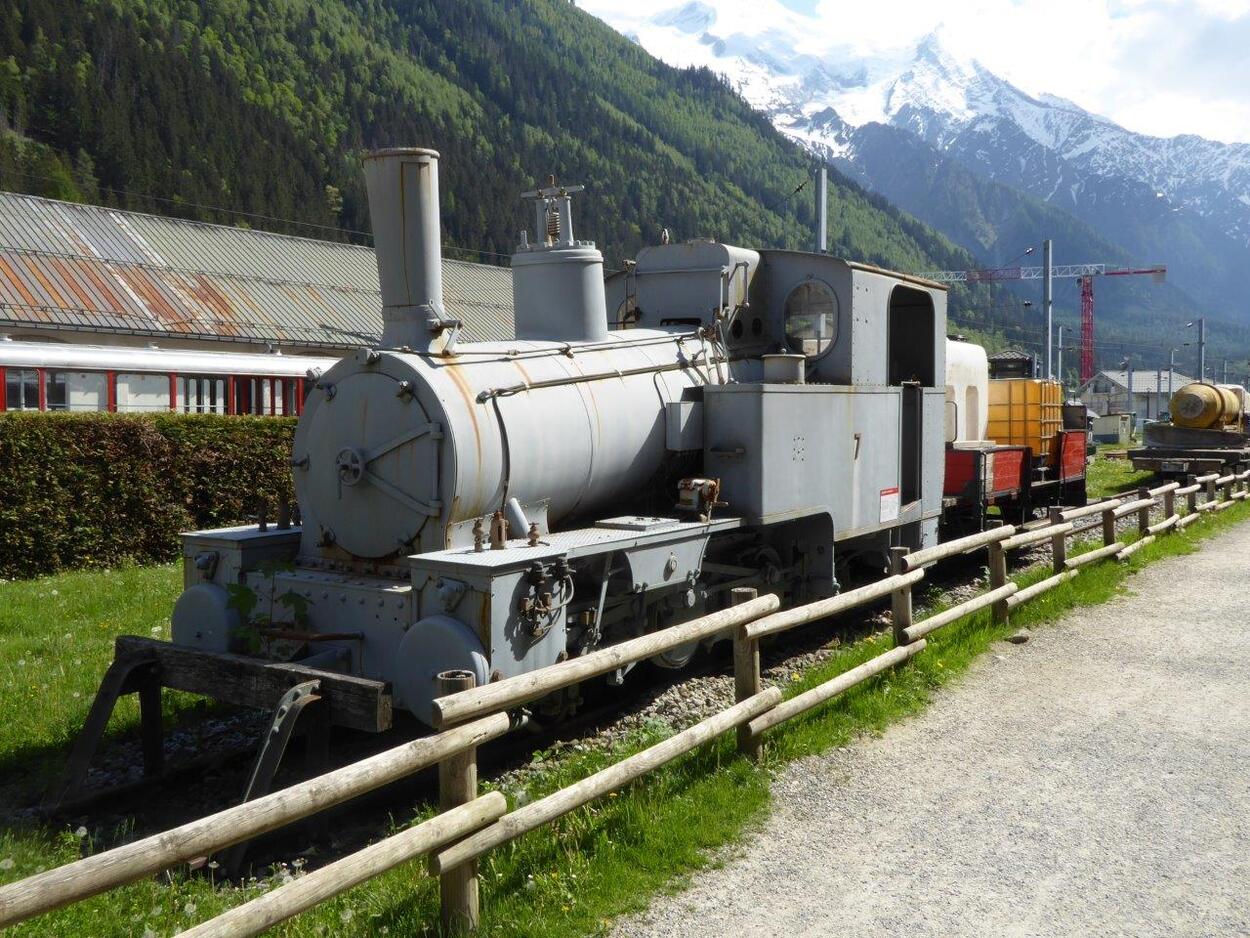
1161 67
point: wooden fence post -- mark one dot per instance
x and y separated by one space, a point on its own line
746 670
1191 499
457 784
1058 543
1211 496
998 578
1143 513
1108 527
1169 503
900 599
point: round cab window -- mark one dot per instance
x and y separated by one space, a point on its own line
812 318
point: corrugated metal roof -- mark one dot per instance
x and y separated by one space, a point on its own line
86 267
1144 380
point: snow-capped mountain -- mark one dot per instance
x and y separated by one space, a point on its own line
1184 201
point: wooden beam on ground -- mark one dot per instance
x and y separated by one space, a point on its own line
355 702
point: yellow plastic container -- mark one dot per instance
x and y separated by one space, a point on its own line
1026 412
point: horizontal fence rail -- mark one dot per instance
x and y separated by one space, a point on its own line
831 688
537 813
95 874
316 887
515 691
963 545
470 826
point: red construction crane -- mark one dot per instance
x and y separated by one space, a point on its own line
1083 272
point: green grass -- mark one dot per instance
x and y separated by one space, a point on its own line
56 639
1113 476
602 861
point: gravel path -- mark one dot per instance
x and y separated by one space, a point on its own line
1094 781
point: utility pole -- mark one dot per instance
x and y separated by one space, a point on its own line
1128 366
822 209
1201 323
1047 297
1171 374
1158 393
1225 380
1059 356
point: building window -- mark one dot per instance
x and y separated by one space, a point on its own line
77 390
142 393
22 389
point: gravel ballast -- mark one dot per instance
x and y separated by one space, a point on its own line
1092 781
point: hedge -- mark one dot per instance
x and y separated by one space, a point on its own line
94 490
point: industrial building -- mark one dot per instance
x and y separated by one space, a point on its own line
1108 392
91 275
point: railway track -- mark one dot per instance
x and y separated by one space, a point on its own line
212 779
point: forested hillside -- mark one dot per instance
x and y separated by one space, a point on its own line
192 108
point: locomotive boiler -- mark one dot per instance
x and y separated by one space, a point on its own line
711 417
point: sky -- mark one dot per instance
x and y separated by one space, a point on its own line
1161 67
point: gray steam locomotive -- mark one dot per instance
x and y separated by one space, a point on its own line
752 418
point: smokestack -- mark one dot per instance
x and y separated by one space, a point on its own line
403 206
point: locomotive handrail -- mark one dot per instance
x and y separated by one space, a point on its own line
514 691
72 882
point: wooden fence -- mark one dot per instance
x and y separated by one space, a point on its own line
471 825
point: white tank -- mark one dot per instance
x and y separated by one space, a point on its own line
402 452
557 281
967 392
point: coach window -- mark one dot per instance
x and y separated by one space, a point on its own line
811 313
201 394
141 393
21 388
77 390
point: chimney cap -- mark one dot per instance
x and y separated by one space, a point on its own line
401 151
